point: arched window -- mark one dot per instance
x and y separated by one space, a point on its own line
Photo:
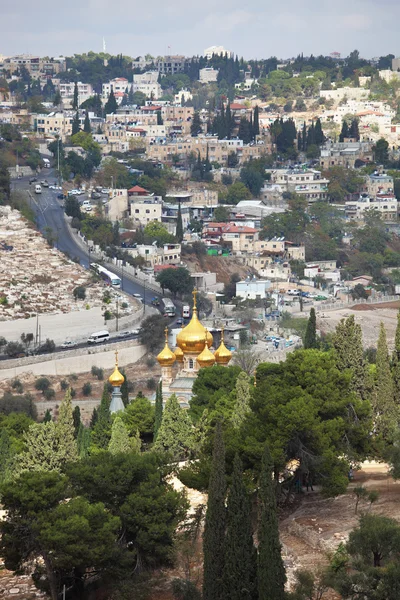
191 363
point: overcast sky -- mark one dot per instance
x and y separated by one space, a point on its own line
253 29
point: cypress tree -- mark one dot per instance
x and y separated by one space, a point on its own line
242 404
345 131
175 434
214 527
310 338
240 569
386 410
75 124
195 127
271 571
65 429
125 386
101 432
94 418
256 121
6 455
83 441
354 132
111 104
228 122
396 361
158 410
319 134
76 415
119 442
179 225
75 98
86 126
347 341
131 98
304 138
47 416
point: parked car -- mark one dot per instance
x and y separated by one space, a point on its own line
45 183
179 321
95 195
33 179
135 331
60 196
105 191
68 344
123 334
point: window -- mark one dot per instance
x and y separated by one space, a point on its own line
191 363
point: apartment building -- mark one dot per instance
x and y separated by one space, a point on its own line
217 51
59 123
240 237
208 75
269 268
345 154
35 65
169 65
379 182
310 184
218 150
147 83
384 203
253 289
66 89
169 254
119 85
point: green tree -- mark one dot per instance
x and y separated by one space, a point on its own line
381 152
158 410
310 338
86 126
385 406
119 441
176 431
237 192
76 126
111 105
43 451
344 132
271 571
139 416
66 429
240 568
152 332
101 432
396 360
179 225
176 280
47 416
214 527
76 415
75 98
221 214
242 402
6 454
156 232
83 441
347 341
195 127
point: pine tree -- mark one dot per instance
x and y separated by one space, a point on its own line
124 389
131 98
310 338
47 416
345 131
354 132
304 138
214 527
386 409
86 126
94 418
119 442
347 341
179 225
83 441
319 134
240 568
256 121
158 410
271 571
76 415
195 127
175 434
76 127
101 432
66 429
111 104
242 404
75 98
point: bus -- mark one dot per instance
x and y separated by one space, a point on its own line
109 277
186 311
169 308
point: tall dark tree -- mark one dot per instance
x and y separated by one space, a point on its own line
214 528
310 338
111 104
245 133
396 361
256 121
345 131
240 570
76 415
75 98
318 133
86 126
354 131
101 432
271 571
75 124
179 225
304 138
158 410
195 127
229 122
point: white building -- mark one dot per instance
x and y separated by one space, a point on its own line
66 89
217 51
208 75
252 289
385 203
119 85
309 184
147 83
325 269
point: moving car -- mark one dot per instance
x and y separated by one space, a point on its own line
68 344
135 331
123 334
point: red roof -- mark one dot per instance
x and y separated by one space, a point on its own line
229 228
235 106
158 268
151 108
136 189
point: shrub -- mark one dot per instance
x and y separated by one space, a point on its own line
73 392
79 292
12 349
49 393
151 384
73 377
3 341
17 386
107 315
124 305
64 384
42 384
107 297
150 362
87 389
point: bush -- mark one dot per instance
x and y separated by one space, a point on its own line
73 392
64 384
3 341
42 384
49 393
87 389
13 349
17 386
79 292
151 384
76 223
150 362
107 315
48 346
18 404
97 372
73 377
107 297
124 305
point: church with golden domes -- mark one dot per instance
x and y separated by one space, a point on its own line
193 352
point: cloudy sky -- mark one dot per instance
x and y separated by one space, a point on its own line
253 29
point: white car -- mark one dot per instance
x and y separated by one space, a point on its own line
105 191
68 344
135 331
123 334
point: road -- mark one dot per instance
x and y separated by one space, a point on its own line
49 213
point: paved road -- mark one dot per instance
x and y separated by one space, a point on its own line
49 213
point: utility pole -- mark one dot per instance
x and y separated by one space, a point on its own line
144 295
117 316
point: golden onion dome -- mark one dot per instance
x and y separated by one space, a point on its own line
222 354
116 379
192 338
206 358
178 354
166 358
